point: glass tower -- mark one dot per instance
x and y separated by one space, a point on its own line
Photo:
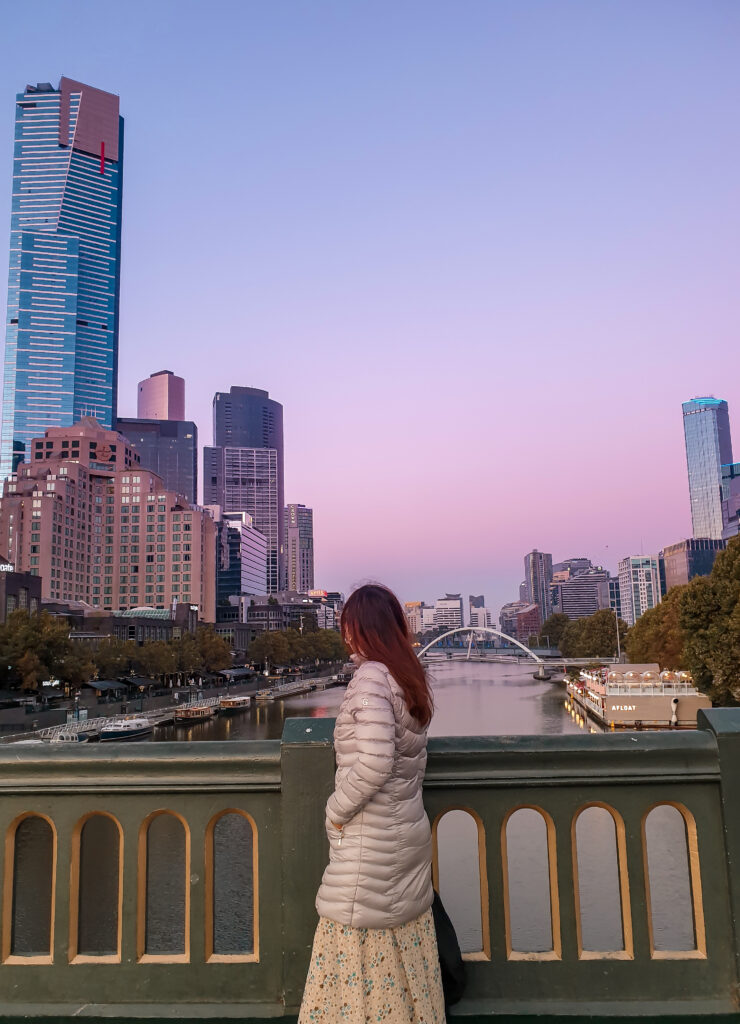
706 425
61 342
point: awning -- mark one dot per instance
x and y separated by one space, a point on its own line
105 684
236 673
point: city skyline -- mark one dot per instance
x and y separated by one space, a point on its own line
554 238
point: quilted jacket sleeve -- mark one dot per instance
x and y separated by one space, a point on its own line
375 738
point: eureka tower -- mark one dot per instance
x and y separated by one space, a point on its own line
61 342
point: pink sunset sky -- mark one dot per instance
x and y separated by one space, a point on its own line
481 253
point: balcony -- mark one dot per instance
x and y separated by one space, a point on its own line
161 881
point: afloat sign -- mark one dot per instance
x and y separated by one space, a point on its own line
624 707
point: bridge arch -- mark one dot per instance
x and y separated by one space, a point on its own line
479 629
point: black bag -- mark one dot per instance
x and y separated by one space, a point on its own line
450 958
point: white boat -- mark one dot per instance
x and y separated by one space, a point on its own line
230 705
70 736
132 728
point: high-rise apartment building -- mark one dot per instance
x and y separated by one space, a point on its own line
241 556
639 586
84 516
298 548
706 425
538 577
161 397
414 616
693 557
244 469
61 341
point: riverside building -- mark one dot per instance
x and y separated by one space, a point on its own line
538 577
84 516
680 562
61 342
448 612
706 424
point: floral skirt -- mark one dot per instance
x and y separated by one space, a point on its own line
368 975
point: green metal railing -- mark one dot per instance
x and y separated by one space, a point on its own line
118 899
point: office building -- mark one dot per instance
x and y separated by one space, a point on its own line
706 425
61 342
448 612
96 527
615 598
480 617
427 619
538 577
730 500
244 469
528 624
161 397
241 556
581 595
414 616
248 482
523 592
508 616
168 448
639 586
693 557
571 567
298 548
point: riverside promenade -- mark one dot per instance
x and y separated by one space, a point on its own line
176 880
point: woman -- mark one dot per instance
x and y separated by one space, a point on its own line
375 951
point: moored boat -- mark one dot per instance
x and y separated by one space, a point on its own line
189 714
70 736
230 705
126 729
638 697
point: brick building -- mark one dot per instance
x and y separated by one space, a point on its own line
85 517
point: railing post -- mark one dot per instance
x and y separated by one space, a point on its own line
725 724
307 759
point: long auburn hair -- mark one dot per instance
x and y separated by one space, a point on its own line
375 627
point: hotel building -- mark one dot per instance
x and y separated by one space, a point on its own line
84 516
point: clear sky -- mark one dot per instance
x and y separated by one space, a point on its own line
480 251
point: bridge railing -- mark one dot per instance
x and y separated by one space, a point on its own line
588 875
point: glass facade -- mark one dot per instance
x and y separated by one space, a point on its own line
169 448
639 586
61 347
706 425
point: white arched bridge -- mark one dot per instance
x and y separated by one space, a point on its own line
473 630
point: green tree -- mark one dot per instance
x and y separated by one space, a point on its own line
215 652
553 629
592 637
113 658
657 635
709 615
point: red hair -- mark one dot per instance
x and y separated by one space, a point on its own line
375 627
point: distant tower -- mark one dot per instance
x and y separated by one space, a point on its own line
706 427
61 341
299 548
538 577
161 397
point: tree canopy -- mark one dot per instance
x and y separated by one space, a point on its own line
291 648
592 637
657 635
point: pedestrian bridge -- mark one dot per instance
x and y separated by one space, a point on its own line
177 881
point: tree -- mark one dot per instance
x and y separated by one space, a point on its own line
657 635
709 615
592 637
214 650
113 658
553 629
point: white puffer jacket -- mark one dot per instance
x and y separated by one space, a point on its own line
379 871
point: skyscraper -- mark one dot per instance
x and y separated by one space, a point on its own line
161 397
706 425
243 471
61 342
169 448
299 548
538 577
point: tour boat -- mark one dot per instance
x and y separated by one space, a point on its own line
230 705
132 728
189 714
638 697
